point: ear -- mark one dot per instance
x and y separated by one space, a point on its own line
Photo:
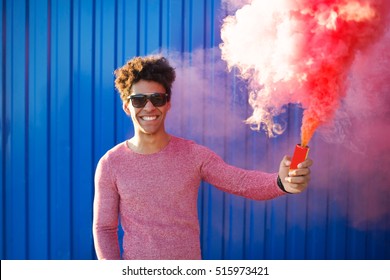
125 107
168 105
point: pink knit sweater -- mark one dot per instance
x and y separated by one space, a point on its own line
155 197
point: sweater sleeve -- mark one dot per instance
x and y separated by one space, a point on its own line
105 213
251 184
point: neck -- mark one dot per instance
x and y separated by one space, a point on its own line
149 144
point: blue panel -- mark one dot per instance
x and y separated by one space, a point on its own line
256 212
150 26
296 227
38 162
104 65
2 135
16 97
130 29
357 244
61 98
317 222
127 47
214 215
172 25
82 133
234 216
336 216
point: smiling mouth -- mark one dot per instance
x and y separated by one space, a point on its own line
149 118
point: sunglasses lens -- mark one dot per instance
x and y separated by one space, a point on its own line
138 101
158 100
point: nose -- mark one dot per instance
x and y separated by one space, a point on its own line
149 106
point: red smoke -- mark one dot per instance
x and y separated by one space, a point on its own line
299 51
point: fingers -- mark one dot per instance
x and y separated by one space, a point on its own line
299 172
296 184
297 188
298 180
302 171
286 161
307 163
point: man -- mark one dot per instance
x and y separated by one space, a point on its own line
150 182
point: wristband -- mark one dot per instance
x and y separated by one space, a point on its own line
280 185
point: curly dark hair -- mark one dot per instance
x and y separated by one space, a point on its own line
150 68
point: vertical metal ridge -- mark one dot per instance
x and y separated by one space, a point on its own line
143 22
190 19
26 120
205 20
48 123
3 125
115 109
93 101
71 99
138 27
183 13
160 25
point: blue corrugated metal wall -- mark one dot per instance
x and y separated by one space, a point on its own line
60 113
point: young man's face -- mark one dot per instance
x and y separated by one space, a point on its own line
148 119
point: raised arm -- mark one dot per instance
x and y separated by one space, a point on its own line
251 184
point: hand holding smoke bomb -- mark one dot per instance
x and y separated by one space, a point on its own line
294 174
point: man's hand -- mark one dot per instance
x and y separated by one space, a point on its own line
297 180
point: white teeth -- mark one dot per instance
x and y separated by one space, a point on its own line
149 118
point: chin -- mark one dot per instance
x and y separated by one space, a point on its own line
148 131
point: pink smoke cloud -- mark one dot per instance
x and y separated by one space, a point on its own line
299 51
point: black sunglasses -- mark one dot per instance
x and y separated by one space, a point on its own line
140 100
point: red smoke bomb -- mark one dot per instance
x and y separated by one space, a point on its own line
300 155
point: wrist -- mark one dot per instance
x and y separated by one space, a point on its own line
281 186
